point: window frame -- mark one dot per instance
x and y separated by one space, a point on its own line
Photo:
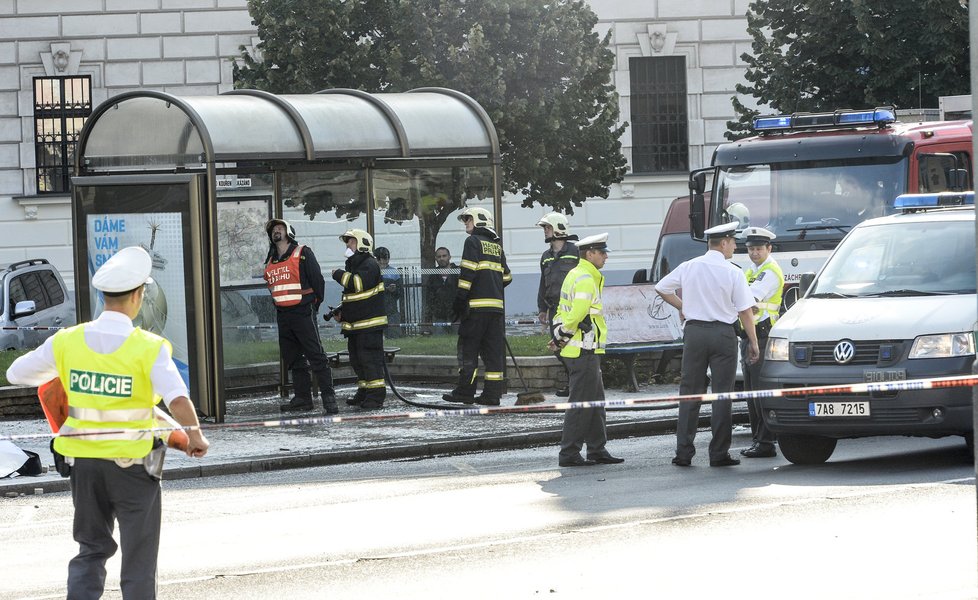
57 126
659 115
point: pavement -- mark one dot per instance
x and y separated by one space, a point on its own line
251 441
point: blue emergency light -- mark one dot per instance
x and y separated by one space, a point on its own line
912 202
840 118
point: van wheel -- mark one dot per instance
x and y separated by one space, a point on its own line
806 449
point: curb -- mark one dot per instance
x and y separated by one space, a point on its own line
52 483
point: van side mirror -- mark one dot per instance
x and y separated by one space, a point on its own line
24 308
805 282
640 276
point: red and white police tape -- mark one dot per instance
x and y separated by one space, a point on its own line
856 388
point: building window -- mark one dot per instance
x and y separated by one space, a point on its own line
660 125
61 105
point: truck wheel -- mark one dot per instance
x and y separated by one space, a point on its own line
806 449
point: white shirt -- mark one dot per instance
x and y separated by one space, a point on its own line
713 289
103 335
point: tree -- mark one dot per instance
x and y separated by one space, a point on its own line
819 55
536 66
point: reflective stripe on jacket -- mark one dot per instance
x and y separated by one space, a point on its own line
284 280
110 392
767 308
580 299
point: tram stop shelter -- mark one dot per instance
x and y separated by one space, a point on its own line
194 180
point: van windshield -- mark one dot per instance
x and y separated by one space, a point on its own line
902 259
810 200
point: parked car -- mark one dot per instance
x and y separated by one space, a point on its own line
895 301
34 299
675 244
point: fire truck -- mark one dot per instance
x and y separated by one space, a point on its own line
810 177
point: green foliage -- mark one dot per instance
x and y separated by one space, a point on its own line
6 358
820 55
537 67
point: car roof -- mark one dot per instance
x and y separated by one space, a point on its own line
956 213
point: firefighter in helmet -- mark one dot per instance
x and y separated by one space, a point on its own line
298 288
480 307
555 263
363 317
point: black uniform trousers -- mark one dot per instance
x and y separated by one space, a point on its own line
752 381
481 334
302 350
707 344
102 493
585 425
366 350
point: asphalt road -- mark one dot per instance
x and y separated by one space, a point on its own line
885 518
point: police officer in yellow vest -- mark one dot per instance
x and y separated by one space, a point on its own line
363 317
766 283
580 333
114 375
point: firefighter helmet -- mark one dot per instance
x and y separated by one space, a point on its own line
289 229
558 222
365 242
480 216
740 213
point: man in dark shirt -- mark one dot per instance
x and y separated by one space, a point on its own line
440 285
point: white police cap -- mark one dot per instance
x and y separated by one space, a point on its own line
757 236
722 231
594 242
128 269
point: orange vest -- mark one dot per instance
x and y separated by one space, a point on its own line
283 280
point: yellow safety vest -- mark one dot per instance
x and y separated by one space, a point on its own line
580 297
768 308
107 392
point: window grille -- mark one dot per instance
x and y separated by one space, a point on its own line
660 120
61 106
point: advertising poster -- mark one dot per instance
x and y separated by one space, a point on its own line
635 313
164 309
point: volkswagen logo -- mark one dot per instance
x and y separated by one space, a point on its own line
844 351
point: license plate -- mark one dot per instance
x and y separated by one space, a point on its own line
838 409
884 375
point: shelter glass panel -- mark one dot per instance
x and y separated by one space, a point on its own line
322 205
415 214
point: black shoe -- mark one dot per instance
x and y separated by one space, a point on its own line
577 461
371 405
562 393
452 397
759 451
329 405
296 405
606 459
727 461
356 400
487 400
682 462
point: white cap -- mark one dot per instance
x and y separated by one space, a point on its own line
757 235
722 231
128 269
594 242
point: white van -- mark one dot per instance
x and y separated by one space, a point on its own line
896 300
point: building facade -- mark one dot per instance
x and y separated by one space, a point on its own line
676 67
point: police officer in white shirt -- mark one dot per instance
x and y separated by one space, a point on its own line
115 474
714 295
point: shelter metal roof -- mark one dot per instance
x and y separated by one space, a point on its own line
150 130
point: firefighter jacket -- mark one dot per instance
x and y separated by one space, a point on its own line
579 320
484 274
766 283
554 267
363 294
109 392
295 279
